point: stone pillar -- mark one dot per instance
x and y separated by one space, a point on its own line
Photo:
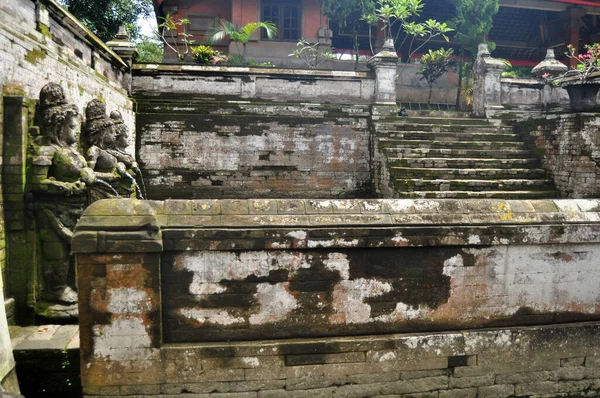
20 254
325 35
385 64
551 68
487 89
125 49
118 249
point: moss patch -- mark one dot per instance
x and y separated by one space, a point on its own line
43 29
34 56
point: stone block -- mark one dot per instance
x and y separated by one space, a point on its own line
416 385
459 393
537 388
471 381
315 359
579 385
262 206
140 390
372 378
314 393
234 206
258 385
497 391
572 362
526 377
194 388
291 206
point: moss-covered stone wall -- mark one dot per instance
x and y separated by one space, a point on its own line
321 286
41 43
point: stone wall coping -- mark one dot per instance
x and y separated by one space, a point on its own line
79 29
130 214
246 70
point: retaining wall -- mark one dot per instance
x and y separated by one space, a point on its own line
167 287
569 146
194 147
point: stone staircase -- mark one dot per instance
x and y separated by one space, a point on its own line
449 155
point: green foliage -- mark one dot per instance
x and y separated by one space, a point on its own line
517 71
434 65
174 34
149 50
349 14
207 55
398 13
242 35
313 55
104 17
473 21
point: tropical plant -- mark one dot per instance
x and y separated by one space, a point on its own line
312 55
241 36
396 15
348 14
207 55
178 41
587 63
472 23
434 65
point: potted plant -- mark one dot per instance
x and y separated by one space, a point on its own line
583 82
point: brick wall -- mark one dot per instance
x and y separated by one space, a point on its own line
569 146
203 148
212 274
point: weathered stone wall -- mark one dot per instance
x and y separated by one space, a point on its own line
569 146
154 273
55 47
41 43
196 147
283 85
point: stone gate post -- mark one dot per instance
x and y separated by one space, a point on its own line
118 247
487 90
385 63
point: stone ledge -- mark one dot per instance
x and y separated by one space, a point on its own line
140 226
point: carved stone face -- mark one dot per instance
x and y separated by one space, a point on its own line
108 137
70 129
122 141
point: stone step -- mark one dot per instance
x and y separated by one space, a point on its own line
440 114
410 152
473 145
469 163
417 184
547 194
393 127
47 360
451 136
465 173
426 119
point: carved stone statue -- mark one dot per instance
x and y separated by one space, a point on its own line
128 186
99 142
59 176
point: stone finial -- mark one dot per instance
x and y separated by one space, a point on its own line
123 46
324 35
550 65
483 50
